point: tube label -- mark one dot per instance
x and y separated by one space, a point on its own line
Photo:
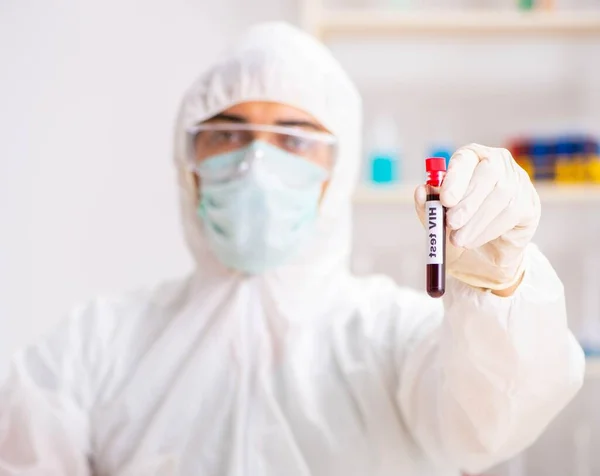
434 213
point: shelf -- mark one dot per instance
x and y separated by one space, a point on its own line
592 367
403 194
549 193
373 22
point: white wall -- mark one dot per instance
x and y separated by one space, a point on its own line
88 94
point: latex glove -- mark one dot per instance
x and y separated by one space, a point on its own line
493 211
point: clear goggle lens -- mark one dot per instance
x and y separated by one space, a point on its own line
210 140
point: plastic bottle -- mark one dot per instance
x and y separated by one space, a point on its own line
563 164
542 155
546 4
520 152
593 161
526 4
579 160
443 152
384 153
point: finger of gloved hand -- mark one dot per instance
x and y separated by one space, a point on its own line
457 179
468 236
483 182
499 226
420 199
452 253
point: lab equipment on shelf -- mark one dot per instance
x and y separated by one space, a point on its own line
536 4
443 151
563 159
525 4
383 152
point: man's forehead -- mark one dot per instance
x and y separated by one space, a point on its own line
269 113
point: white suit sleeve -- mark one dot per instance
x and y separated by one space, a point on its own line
482 386
43 420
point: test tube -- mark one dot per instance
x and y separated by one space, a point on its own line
435 216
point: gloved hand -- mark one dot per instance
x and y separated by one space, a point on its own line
493 211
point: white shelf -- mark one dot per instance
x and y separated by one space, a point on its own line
373 22
402 194
592 367
549 193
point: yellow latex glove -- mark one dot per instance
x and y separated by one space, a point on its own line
493 211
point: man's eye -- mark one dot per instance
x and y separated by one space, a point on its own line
226 137
296 144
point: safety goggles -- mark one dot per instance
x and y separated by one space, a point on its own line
213 139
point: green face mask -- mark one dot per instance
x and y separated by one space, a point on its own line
257 220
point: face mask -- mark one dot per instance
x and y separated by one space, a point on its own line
258 220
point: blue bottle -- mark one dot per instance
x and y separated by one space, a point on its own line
444 152
384 168
384 153
542 155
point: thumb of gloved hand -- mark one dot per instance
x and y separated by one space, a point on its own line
492 213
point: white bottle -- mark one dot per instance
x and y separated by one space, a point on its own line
383 142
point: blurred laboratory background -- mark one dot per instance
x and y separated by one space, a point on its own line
89 92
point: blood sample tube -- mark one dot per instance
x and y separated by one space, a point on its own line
435 219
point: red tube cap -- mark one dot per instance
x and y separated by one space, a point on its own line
435 164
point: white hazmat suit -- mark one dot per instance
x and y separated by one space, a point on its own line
304 370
